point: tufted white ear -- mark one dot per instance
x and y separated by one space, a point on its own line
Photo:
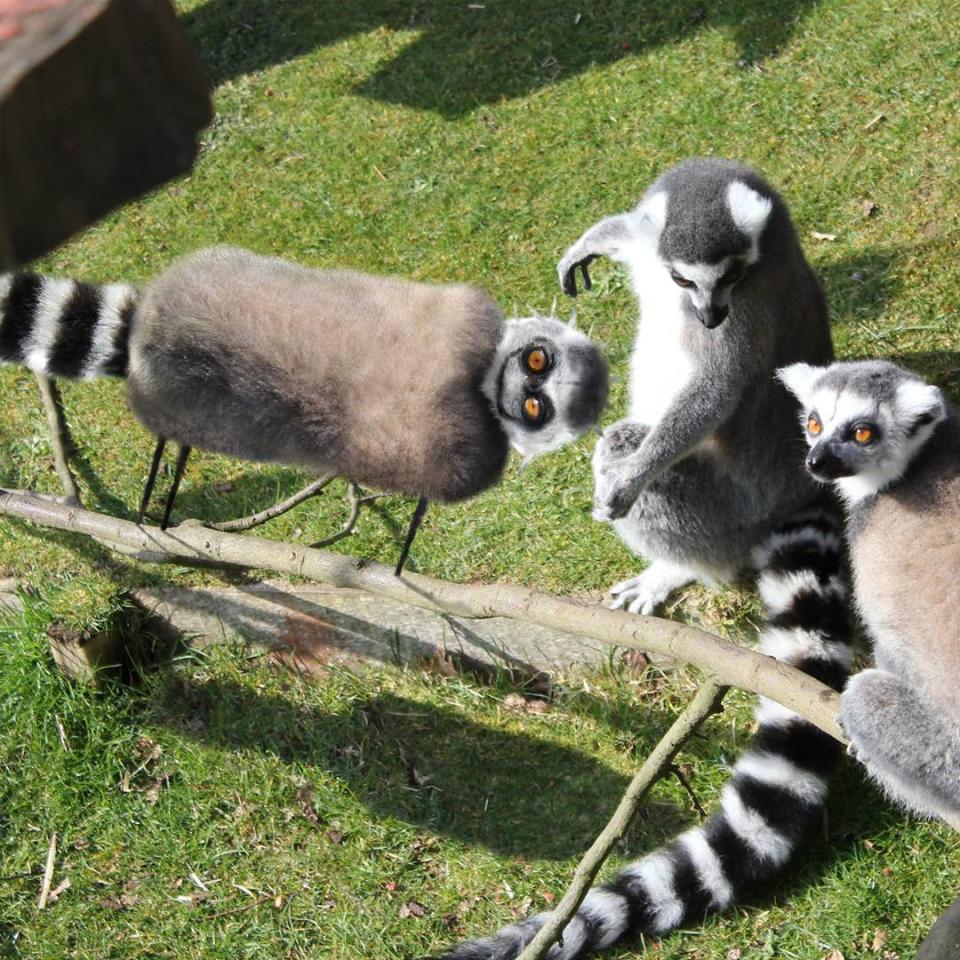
800 379
748 208
920 402
652 213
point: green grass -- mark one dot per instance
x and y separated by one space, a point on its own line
444 142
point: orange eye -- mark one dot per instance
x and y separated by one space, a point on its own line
863 434
537 360
532 407
814 426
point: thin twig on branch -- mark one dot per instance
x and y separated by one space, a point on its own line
191 543
356 502
707 701
59 436
255 519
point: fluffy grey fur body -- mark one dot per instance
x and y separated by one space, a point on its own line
403 386
709 459
891 446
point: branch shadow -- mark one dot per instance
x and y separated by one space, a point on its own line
466 55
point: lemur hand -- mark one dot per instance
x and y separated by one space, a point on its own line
617 482
567 269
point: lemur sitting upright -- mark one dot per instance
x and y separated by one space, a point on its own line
709 458
889 444
408 387
705 478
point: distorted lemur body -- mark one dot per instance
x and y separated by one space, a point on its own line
407 387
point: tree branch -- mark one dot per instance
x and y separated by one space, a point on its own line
707 701
192 543
356 502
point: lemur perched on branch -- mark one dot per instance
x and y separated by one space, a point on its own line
404 386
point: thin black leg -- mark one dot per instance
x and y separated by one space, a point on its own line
151 479
177 476
415 522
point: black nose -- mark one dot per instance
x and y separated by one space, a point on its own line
713 317
824 464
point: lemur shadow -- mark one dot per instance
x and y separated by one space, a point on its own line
426 765
465 55
858 287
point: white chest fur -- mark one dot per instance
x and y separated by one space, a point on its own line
660 366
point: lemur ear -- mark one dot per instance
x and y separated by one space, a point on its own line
651 214
920 404
748 208
800 379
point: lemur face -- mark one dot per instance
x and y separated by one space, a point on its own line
707 243
547 384
708 286
863 421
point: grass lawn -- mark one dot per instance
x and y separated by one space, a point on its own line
221 808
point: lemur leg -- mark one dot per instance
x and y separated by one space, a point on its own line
177 477
415 522
606 238
650 589
151 478
913 754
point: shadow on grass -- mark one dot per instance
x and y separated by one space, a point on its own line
941 367
465 55
860 286
516 793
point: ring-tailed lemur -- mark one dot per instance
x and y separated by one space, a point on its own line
710 467
891 447
403 386
726 297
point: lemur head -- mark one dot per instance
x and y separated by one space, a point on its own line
864 421
706 218
547 383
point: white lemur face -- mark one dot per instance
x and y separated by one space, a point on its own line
864 421
547 384
708 248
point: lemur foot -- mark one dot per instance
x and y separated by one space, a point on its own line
616 483
645 593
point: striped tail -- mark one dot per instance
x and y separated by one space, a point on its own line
777 787
63 328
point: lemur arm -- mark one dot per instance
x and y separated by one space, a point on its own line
606 238
696 412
